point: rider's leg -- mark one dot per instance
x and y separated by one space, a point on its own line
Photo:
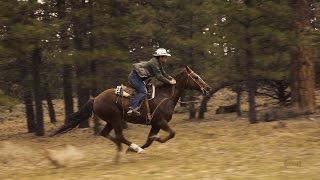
137 82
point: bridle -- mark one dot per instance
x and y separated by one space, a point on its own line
204 91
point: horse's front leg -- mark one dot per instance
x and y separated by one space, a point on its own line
163 124
151 137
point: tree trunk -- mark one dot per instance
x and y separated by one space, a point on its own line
36 62
238 88
238 91
203 107
302 61
83 97
67 69
28 102
51 110
83 92
94 93
67 91
251 85
252 115
27 94
82 67
192 109
93 69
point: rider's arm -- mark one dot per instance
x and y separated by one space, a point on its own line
156 70
164 73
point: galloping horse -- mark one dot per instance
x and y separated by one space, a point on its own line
110 108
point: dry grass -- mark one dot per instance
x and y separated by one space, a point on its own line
220 147
226 149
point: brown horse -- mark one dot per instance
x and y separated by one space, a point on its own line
111 108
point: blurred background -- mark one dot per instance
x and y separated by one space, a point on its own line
261 59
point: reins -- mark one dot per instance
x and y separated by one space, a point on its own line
154 111
202 89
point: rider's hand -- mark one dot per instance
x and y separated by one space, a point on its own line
173 81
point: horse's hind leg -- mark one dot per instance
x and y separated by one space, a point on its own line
106 133
119 136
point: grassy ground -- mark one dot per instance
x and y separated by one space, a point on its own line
220 147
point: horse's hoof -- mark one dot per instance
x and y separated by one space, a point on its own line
141 151
136 148
130 150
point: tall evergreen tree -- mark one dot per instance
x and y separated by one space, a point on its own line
302 60
255 38
23 33
64 46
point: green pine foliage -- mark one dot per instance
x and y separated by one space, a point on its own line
208 35
214 37
22 30
262 29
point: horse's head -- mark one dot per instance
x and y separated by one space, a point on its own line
194 81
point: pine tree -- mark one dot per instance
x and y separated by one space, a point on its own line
255 38
23 33
302 60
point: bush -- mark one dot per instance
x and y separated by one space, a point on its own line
7 101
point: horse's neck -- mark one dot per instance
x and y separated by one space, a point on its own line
170 92
169 96
177 94
179 87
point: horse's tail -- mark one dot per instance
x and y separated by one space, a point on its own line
74 120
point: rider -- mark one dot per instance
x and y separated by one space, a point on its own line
144 70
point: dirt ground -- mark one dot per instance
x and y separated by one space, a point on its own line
220 147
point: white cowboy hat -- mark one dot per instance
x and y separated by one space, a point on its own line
161 52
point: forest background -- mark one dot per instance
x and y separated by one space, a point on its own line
74 49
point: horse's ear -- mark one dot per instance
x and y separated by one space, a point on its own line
188 69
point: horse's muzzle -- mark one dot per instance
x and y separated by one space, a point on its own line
205 91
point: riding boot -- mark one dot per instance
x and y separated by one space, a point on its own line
134 111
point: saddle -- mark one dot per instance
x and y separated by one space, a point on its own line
129 91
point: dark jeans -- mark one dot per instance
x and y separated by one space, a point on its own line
137 82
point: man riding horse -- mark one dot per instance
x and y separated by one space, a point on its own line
109 107
145 70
